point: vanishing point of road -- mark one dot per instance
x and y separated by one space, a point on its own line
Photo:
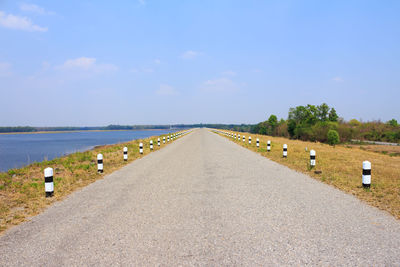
204 200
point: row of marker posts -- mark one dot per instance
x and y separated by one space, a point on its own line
48 172
366 172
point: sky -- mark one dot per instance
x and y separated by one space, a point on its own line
93 63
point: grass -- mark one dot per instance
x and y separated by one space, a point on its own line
22 190
340 166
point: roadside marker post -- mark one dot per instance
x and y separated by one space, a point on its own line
99 163
163 140
366 174
125 153
285 150
244 138
48 182
258 142
249 140
158 142
168 138
151 144
312 158
141 148
269 146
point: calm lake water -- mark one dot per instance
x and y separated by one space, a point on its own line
17 150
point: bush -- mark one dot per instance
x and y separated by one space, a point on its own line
333 137
321 129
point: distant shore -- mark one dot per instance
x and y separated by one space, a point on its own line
77 131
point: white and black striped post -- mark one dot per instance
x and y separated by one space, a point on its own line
168 138
249 140
285 150
158 142
48 182
235 136
244 138
99 163
366 174
125 153
163 140
258 142
238 137
312 158
269 146
141 148
151 144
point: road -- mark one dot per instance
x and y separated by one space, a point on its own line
204 200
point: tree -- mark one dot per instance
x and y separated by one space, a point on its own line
333 137
393 123
333 115
291 127
273 120
354 123
323 112
272 124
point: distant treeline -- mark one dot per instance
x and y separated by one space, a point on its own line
109 127
310 123
113 127
321 123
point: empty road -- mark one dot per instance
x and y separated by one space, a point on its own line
204 200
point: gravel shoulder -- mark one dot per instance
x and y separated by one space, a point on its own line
204 200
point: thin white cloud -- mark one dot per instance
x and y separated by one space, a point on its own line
190 54
82 63
157 61
166 90
219 85
338 79
19 23
229 73
5 69
141 70
34 9
142 2
87 64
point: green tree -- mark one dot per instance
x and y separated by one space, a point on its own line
354 122
393 123
333 137
272 124
291 127
333 115
322 112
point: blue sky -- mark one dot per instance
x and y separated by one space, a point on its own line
161 62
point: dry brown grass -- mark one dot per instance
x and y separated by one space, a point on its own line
384 149
341 166
22 190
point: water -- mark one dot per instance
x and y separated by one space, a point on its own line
17 150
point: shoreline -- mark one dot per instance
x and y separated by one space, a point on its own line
78 131
21 190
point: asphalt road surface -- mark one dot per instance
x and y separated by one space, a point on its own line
204 200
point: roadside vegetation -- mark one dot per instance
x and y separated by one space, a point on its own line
322 123
22 190
339 166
